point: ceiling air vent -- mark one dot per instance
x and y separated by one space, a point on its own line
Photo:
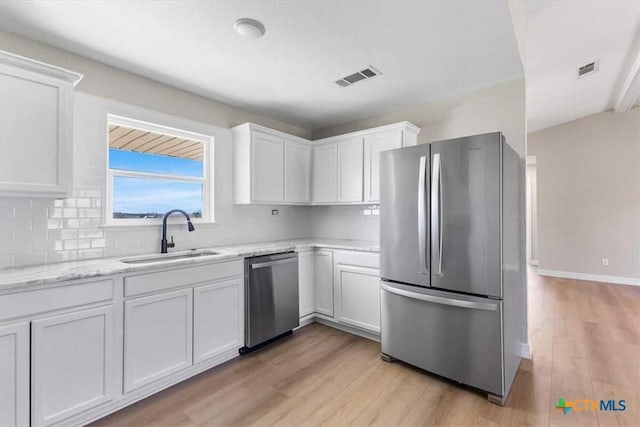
365 74
587 69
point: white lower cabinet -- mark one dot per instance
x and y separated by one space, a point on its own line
158 334
72 364
323 278
306 289
359 296
217 319
14 375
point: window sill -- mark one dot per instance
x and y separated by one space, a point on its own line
157 225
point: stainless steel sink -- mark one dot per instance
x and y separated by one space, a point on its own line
166 257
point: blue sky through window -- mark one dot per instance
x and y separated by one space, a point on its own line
140 197
154 163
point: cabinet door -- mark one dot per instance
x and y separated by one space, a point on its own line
350 173
325 173
306 272
359 296
157 337
218 311
324 282
267 168
35 117
297 172
373 145
72 364
14 375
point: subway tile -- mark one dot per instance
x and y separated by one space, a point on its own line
55 213
90 233
69 234
71 223
70 213
98 243
70 244
84 203
90 253
69 255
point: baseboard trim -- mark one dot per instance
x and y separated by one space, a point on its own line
349 329
633 281
525 350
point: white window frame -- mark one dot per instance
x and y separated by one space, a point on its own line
206 180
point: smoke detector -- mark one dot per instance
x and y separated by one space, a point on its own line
249 28
367 73
588 69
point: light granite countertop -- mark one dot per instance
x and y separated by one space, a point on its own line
18 278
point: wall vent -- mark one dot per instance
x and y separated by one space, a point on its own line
365 74
588 69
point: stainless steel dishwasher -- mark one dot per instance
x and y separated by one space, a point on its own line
271 298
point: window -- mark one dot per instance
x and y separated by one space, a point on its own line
153 169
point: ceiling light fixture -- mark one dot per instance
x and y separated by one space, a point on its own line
249 28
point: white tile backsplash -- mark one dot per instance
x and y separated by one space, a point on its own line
345 222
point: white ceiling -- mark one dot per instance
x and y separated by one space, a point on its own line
426 50
564 35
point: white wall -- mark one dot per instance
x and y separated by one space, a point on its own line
588 182
36 231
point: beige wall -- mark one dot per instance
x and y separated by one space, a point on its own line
588 174
500 107
113 83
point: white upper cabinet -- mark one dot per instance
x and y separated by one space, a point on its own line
350 166
36 127
267 164
373 145
325 173
297 171
270 167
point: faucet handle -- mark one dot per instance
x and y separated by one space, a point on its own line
171 244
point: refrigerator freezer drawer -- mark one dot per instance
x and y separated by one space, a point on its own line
455 336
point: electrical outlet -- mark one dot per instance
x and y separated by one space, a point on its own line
275 212
605 261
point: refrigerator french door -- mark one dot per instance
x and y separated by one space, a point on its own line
441 258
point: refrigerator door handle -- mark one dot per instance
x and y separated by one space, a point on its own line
441 300
436 214
422 214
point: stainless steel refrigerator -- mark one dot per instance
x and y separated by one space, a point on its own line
451 221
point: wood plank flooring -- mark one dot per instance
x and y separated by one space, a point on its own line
586 345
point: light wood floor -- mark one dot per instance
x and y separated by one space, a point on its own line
586 345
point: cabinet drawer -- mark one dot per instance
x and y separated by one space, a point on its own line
154 282
57 298
360 259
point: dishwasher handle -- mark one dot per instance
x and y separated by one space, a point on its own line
271 263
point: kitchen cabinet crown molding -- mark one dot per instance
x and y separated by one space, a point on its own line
279 134
404 125
8 58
